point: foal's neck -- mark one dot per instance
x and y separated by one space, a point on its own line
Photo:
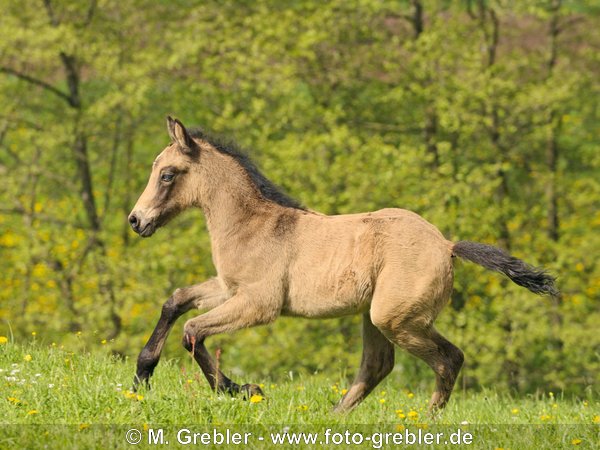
229 199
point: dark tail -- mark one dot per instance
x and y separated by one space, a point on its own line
535 279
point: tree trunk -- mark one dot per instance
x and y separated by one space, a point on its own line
554 124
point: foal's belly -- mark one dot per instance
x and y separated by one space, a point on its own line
329 295
323 308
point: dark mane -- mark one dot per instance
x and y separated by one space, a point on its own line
267 188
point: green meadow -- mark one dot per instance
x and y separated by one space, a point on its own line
51 397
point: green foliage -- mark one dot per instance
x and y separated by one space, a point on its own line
349 109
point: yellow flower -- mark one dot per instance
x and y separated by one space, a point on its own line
27 358
545 417
13 400
32 412
303 407
413 414
596 419
400 427
382 400
256 398
83 426
133 395
576 441
344 391
33 333
3 340
103 341
515 411
410 395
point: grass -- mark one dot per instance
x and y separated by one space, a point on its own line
50 397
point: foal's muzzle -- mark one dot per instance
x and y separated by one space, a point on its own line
140 225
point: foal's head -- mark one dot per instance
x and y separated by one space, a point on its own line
170 188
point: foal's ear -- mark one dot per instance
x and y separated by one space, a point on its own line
179 135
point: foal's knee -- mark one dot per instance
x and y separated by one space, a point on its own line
172 308
169 308
192 335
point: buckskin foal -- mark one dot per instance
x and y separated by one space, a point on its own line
273 257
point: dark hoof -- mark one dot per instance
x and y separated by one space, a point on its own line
248 390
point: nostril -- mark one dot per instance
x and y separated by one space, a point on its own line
133 220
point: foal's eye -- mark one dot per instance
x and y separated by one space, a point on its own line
167 177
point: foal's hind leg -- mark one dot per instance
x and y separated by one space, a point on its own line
440 354
376 363
205 295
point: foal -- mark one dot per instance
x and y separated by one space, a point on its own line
273 257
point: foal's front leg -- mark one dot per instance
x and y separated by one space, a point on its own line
240 311
205 295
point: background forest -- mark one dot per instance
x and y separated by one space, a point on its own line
482 116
